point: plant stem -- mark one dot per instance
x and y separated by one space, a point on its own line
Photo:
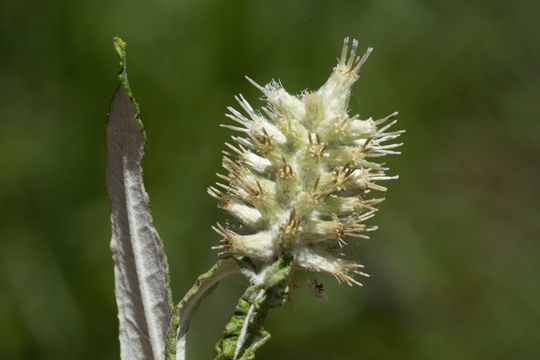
245 333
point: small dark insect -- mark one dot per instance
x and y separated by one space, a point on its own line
317 289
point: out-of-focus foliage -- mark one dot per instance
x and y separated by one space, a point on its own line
456 260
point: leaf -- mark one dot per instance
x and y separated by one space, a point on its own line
140 266
205 284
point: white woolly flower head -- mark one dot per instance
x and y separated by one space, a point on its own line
300 178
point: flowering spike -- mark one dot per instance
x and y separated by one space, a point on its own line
301 178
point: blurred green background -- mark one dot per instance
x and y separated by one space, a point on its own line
456 262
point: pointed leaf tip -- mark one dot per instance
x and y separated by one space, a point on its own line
120 48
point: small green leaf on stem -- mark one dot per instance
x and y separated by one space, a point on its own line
205 284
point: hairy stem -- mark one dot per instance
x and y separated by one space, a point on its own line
245 333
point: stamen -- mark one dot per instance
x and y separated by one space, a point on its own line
263 90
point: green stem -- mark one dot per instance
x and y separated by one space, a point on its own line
245 333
